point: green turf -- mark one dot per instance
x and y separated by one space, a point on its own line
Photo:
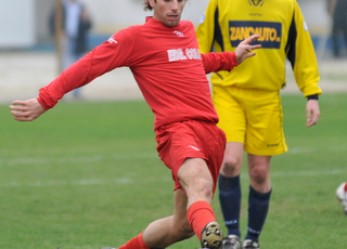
86 175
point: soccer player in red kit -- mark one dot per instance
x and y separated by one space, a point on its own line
164 58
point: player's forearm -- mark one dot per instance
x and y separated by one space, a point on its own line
69 80
77 75
214 62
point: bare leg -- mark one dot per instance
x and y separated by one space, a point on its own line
196 180
259 172
196 192
166 231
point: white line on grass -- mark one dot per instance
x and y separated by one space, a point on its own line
81 182
122 156
74 159
130 181
312 150
309 173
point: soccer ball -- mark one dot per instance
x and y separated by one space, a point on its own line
341 191
341 194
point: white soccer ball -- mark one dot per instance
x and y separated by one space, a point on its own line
341 193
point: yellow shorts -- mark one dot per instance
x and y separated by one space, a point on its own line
251 117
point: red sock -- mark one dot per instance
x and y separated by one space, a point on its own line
199 214
135 243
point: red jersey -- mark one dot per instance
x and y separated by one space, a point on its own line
166 64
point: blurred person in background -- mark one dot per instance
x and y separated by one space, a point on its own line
164 58
248 100
337 9
75 26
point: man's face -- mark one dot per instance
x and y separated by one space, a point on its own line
168 11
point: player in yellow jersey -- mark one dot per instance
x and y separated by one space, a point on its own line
248 100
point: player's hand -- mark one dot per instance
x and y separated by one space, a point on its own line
312 112
245 50
26 110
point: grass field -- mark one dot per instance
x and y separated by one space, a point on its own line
86 175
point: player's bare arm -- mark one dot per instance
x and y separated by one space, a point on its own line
245 49
26 110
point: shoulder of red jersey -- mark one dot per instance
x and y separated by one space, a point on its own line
129 32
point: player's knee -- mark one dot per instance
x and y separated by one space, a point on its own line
230 166
259 175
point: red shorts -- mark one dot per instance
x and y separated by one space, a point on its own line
191 139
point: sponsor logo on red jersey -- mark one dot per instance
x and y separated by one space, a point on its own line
183 54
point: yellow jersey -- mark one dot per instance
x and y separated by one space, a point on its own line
283 35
